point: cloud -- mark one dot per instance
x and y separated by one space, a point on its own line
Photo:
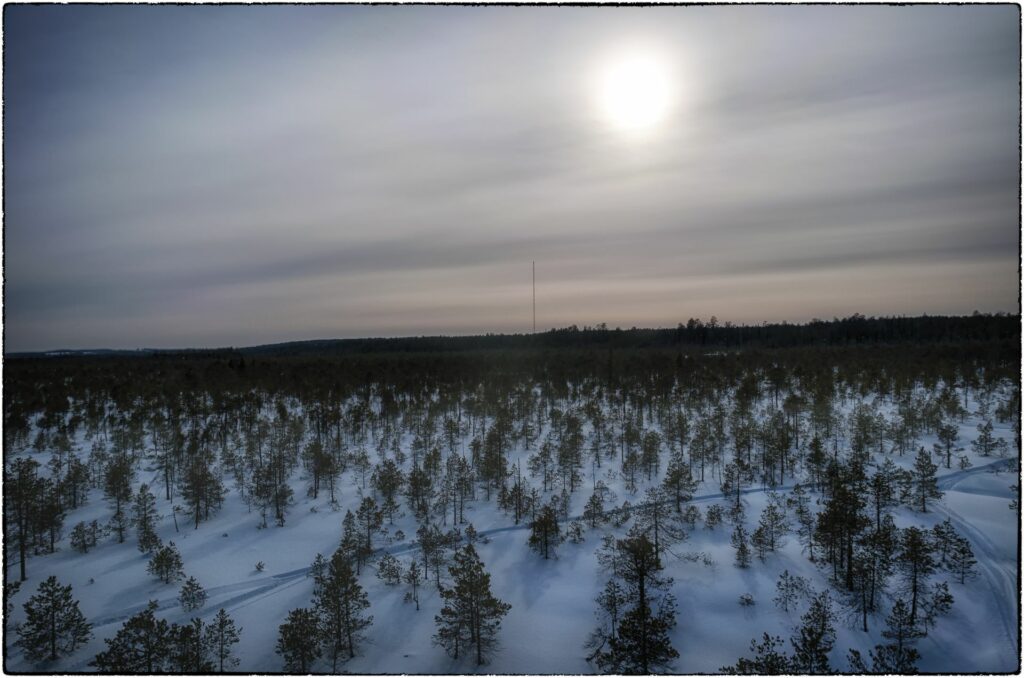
213 175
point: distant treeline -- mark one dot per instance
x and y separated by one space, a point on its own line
888 353
857 329
852 331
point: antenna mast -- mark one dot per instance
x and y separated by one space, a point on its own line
535 297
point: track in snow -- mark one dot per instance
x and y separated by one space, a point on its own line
250 591
1001 579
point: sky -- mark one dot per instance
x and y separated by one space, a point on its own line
187 176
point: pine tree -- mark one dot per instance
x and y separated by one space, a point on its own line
145 517
53 623
472 536
916 562
574 532
471 614
986 442
298 640
351 543
768 660
221 634
739 542
944 540
679 483
387 479
593 512
948 434
925 484
544 532
937 602
389 570
961 559
188 648
22 489
192 596
656 519
141 645
117 485
166 564
340 605
759 541
713 517
773 524
434 545
893 658
790 588
318 571
414 580
640 644
815 637
49 514
369 519
80 538
203 491
611 604
10 590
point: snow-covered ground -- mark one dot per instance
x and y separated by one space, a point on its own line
552 600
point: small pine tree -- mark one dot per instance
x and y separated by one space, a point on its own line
739 542
192 596
145 517
937 603
351 545
790 588
815 637
53 624
574 532
142 645
414 580
916 561
472 536
640 644
611 604
897 657
760 542
389 570
80 540
713 516
298 640
544 532
221 634
961 559
944 539
369 519
768 660
593 512
986 442
318 570
188 648
471 614
925 483
166 564
340 606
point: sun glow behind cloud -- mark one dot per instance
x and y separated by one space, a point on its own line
172 180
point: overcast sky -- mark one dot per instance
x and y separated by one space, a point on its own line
211 176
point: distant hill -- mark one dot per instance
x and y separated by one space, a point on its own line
854 330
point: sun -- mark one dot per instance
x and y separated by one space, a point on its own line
635 92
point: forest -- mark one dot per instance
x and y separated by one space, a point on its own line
837 496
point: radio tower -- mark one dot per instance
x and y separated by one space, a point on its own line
535 297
